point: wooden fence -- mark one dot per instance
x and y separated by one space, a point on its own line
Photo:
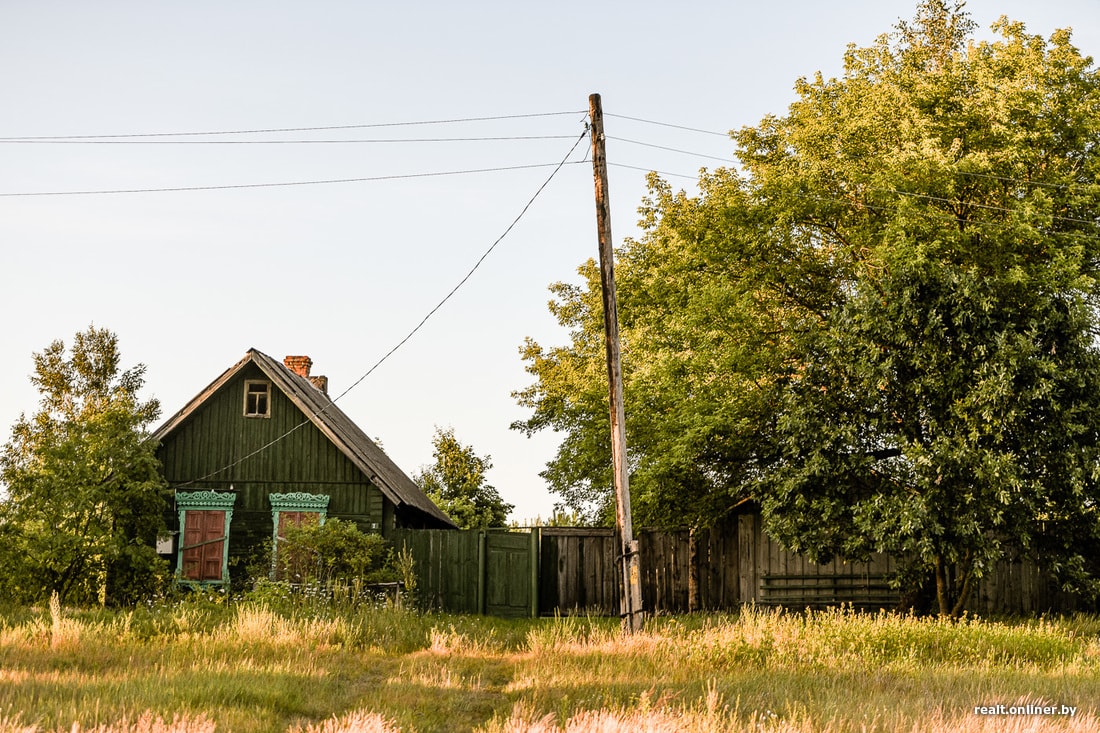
551 570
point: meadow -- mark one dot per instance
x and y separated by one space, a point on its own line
279 665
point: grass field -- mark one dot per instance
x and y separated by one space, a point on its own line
198 666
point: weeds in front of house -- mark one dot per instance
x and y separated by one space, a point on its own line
263 664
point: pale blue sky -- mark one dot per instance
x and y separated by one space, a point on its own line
342 272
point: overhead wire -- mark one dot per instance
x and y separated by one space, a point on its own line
258 131
987 207
1023 181
693 176
127 138
946 218
109 141
668 124
131 138
672 150
330 181
1007 179
564 161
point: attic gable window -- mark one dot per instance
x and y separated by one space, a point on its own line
257 398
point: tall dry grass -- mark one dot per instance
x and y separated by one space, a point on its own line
253 667
144 723
705 721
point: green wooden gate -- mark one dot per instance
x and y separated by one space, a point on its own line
511 574
475 571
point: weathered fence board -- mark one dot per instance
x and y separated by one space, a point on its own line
578 571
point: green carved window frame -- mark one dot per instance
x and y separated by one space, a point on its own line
293 502
204 501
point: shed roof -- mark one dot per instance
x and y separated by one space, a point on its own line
327 417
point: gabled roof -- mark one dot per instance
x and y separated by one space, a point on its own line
327 417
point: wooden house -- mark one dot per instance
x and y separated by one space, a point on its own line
261 446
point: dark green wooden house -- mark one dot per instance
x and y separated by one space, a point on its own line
262 446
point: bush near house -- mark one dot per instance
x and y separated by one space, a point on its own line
334 551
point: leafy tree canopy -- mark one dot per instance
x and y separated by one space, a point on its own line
456 483
84 501
883 328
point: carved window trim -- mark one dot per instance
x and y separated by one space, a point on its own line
204 501
293 502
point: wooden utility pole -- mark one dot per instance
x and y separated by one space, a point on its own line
631 601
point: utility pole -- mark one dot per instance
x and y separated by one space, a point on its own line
631 600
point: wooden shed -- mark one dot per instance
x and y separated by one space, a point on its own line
264 445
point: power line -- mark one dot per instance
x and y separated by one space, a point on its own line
227 187
893 209
473 269
988 207
100 141
295 129
651 170
946 218
928 197
564 161
673 150
1023 181
668 124
364 126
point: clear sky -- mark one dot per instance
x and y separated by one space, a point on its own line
190 280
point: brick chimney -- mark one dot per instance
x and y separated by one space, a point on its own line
301 365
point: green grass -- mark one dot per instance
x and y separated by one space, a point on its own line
275 667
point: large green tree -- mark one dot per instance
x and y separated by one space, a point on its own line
84 498
456 482
705 325
884 328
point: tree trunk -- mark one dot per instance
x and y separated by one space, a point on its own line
942 590
967 573
951 594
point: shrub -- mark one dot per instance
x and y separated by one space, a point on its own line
334 551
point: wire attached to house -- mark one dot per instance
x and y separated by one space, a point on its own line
472 269
564 161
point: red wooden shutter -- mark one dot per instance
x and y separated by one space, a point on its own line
202 557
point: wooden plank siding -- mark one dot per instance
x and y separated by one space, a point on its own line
219 435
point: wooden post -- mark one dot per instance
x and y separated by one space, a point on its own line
534 566
693 571
631 604
482 542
